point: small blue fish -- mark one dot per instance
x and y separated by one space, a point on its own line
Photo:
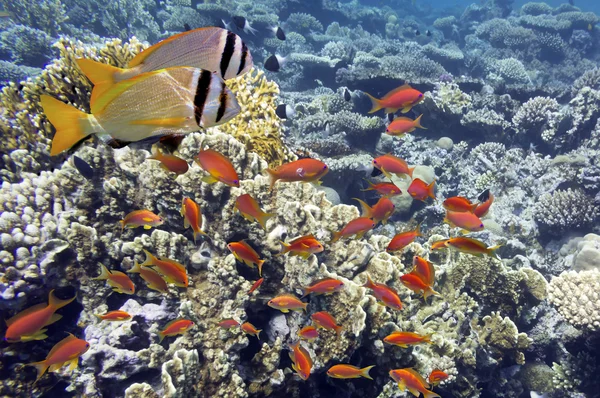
83 167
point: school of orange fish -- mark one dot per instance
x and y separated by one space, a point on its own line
158 273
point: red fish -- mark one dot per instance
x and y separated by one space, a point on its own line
473 246
308 333
170 162
483 207
409 379
218 167
324 286
424 269
246 254
437 376
459 204
303 246
119 281
66 351
359 226
287 302
467 221
384 294
256 285
403 97
404 339
323 319
417 285
306 170
384 188
171 270
301 361
403 239
250 210
141 218
114 316
381 211
249 328
153 279
420 190
403 125
344 371
173 328
29 324
228 323
192 216
390 164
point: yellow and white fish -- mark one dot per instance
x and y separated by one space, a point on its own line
146 107
214 49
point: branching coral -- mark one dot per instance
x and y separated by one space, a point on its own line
565 210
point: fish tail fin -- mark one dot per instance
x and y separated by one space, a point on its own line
305 292
418 122
430 394
259 264
429 292
492 251
431 189
364 372
371 185
369 283
411 170
104 273
418 229
273 178
336 236
304 306
367 211
338 329
149 259
156 154
41 367
258 333
263 218
161 337
136 268
284 248
57 303
376 103
71 124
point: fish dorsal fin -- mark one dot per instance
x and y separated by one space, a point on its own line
323 280
403 87
98 104
301 238
248 247
168 325
402 118
61 344
418 377
25 312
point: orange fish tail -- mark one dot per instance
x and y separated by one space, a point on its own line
336 237
57 303
338 330
410 171
369 283
273 176
71 124
259 264
263 218
431 189
376 103
418 122
366 210
364 372
430 394
492 251
429 292
41 367
306 292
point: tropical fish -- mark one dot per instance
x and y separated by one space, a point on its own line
256 285
403 239
390 164
418 285
287 302
305 170
424 269
278 32
139 218
473 246
284 111
301 361
170 162
420 190
308 333
467 221
243 24
404 339
229 323
66 351
212 48
249 328
384 294
359 226
384 188
275 62
403 125
437 376
381 211
114 316
439 244
303 246
323 286
83 167
345 371
117 280
218 167
347 95
403 97
152 278
407 378
250 210
145 108
246 254
173 328
29 324
192 216
486 199
323 319
459 204
171 270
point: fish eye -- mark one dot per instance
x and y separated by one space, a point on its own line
420 95
374 161
87 345
324 167
481 225
235 182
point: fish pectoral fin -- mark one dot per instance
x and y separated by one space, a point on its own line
414 391
73 364
41 335
285 311
53 318
55 367
406 109
147 226
385 173
186 223
209 179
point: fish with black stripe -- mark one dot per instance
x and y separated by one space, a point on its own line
145 108
214 49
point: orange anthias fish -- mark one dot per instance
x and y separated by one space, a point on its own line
287 302
384 188
170 162
439 244
459 204
139 218
403 239
323 319
344 371
324 286
390 164
114 316
152 278
404 339
256 285
403 97
465 220
437 376
66 351
119 281
473 246
381 211
29 324
249 328
173 328
229 323
306 170
192 216
218 167
303 246
359 226
424 269
302 363
403 125
417 285
246 254
384 294
409 379
420 190
308 333
249 209
171 270
486 200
